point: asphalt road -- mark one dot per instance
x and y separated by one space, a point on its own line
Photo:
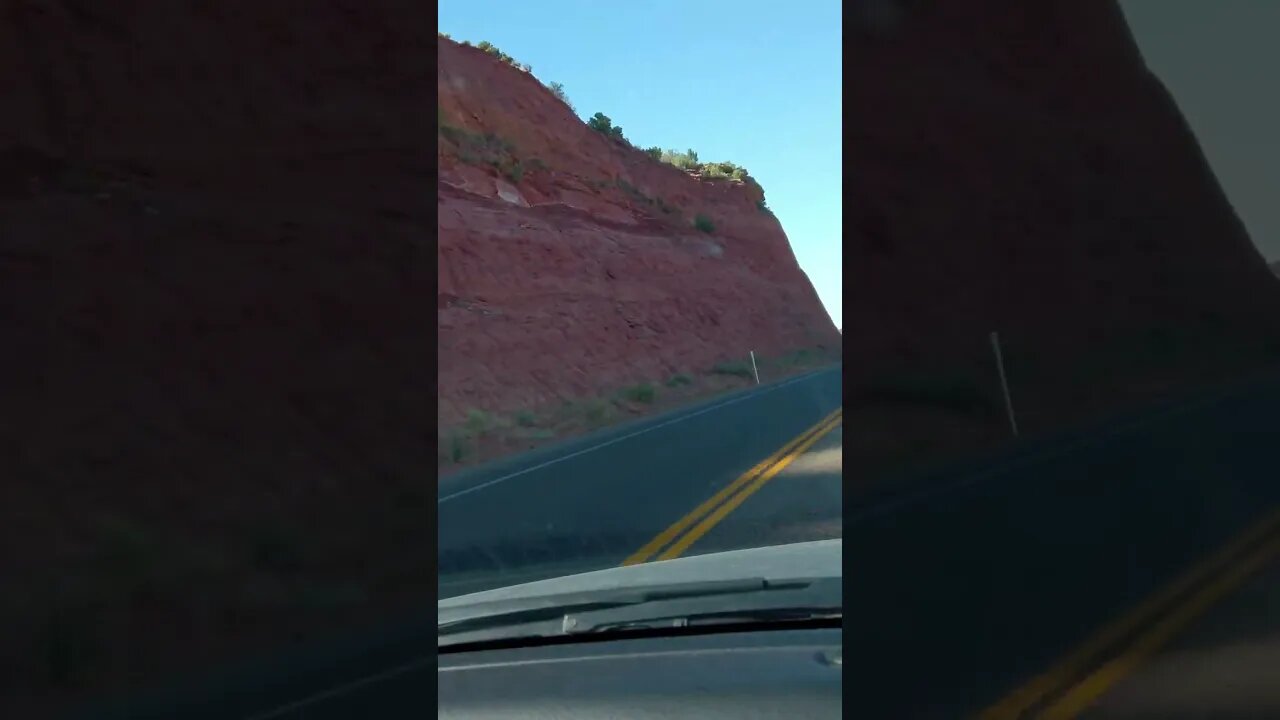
1225 665
594 502
966 585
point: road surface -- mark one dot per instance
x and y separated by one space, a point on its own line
1225 664
599 501
962 590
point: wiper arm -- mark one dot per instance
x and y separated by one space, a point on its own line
763 615
696 603
556 607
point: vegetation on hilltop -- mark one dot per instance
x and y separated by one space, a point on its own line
493 50
487 149
602 124
688 161
557 89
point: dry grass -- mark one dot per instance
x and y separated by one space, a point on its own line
524 430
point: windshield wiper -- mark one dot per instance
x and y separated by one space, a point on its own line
725 617
679 605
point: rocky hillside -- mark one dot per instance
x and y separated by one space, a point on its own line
213 293
571 263
1015 167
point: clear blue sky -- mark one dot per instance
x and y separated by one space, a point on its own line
755 82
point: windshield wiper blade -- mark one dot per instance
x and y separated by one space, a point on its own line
746 601
734 617
556 607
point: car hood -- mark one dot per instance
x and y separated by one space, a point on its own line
820 558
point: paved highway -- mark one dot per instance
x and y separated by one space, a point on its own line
1019 586
644 491
1224 664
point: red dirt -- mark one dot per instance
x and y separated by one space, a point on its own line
1017 168
213 281
576 285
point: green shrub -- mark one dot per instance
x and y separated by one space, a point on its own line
478 421
679 379
457 448
456 135
799 357
739 368
763 206
488 149
515 172
633 191
717 170
602 124
644 393
524 418
596 411
557 89
493 50
498 142
703 223
687 160
654 152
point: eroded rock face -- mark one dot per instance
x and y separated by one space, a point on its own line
1014 166
583 271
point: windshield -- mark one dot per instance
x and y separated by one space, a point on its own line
640 289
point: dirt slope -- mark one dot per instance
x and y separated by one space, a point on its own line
213 284
1015 167
572 266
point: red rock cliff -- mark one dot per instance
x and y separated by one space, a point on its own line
1014 166
582 271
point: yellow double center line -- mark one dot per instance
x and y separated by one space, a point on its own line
1116 650
685 531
